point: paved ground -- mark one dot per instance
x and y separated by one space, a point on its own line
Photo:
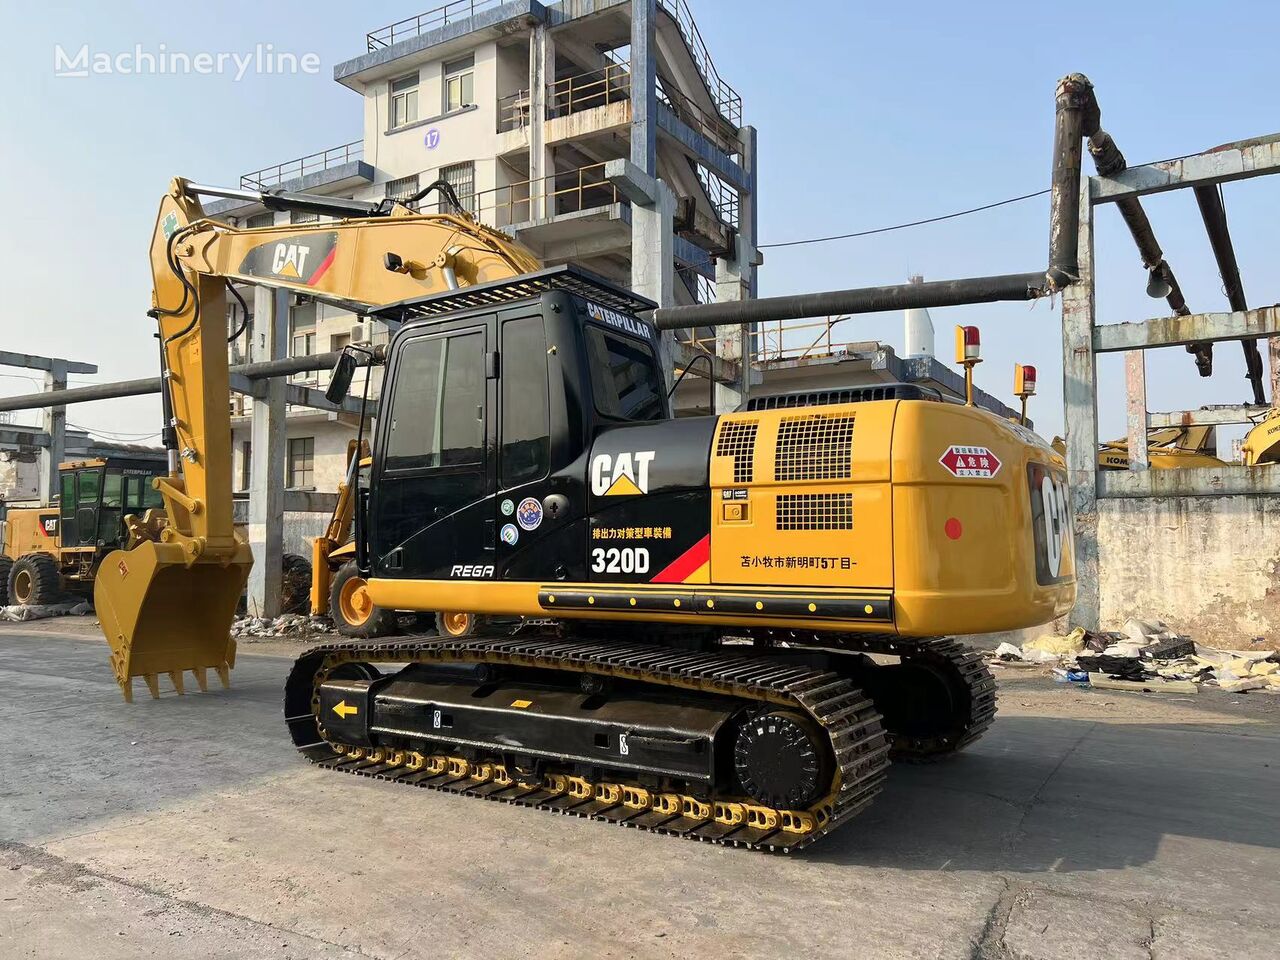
1084 825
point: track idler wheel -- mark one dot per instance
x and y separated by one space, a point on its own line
935 701
782 759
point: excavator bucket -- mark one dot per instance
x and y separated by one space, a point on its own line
165 615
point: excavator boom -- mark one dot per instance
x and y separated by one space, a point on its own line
167 600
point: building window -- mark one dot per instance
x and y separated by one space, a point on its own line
302 216
459 83
261 220
246 464
462 177
339 341
404 101
302 462
403 188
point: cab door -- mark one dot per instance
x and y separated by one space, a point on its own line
431 504
88 498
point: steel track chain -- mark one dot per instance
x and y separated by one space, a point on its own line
970 669
853 726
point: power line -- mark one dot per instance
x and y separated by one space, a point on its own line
903 226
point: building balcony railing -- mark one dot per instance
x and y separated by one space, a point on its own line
416 26
584 91
303 166
778 340
566 192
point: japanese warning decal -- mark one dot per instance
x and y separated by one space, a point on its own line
970 462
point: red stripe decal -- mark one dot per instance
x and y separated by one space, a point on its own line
686 563
325 264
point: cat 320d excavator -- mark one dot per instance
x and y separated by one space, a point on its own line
728 624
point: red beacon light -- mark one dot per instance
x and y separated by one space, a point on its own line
968 345
1024 385
968 353
1024 380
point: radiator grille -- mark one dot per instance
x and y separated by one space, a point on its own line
738 440
815 511
814 448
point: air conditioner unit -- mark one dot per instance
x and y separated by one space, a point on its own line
360 333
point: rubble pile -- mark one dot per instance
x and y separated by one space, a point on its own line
1145 655
286 625
21 613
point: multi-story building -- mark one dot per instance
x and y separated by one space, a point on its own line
598 133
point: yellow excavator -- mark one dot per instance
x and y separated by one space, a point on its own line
1168 448
1262 442
726 625
167 598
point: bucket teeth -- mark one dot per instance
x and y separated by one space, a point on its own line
224 675
175 677
126 688
153 684
202 678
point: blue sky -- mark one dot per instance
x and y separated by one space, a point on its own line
868 114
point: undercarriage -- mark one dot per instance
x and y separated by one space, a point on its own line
768 741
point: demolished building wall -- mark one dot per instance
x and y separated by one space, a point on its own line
1207 566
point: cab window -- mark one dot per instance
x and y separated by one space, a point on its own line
437 413
624 377
90 486
113 490
526 431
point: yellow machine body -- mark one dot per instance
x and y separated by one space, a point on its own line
1262 443
893 516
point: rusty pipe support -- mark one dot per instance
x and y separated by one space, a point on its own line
1214 215
1076 115
1108 160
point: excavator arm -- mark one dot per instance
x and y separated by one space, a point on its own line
166 603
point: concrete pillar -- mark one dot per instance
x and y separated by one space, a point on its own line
267 449
653 260
644 86
1135 379
1080 399
749 209
1275 370
542 71
54 423
732 342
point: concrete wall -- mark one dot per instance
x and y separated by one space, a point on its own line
300 529
19 477
466 135
1207 566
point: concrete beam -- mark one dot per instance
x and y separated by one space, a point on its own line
1217 166
1192 328
309 397
1232 478
33 362
10 437
722 371
701 149
1205 416
632 182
